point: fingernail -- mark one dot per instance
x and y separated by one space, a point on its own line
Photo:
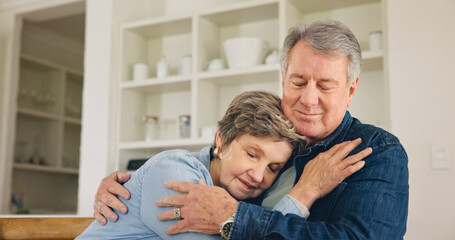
124 210
126 196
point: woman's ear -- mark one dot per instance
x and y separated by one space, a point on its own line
218 139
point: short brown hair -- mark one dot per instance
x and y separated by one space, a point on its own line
259 114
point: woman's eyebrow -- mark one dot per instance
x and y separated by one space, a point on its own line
256 147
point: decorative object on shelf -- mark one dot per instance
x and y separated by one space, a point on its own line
140 71
36 98
272 57
20 149
375 39
162 67
214 64
245 51
151 127
187 62
208 132
36 157
185 126
17 201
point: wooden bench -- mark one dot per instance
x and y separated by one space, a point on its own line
43 228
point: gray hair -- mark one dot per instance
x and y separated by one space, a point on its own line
259 114
329 38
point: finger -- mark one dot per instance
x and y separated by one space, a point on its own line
178 227
357 157
169 215
122 177
107 212
335 148
113 186
177 200
99 218
183 187
107 198
201 182
345 149
353 168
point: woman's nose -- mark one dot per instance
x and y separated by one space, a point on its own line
257 173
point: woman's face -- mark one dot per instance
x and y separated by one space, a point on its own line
249 165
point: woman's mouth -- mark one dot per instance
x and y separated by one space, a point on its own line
246 184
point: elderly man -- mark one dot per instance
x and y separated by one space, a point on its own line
320 64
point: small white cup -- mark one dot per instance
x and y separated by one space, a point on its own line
375 40
214 64
140 71
186 64
162 68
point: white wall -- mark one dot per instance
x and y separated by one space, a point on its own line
422 83
95 154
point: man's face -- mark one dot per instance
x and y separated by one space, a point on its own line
315 92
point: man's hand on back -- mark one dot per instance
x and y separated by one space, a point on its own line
203 208
105 197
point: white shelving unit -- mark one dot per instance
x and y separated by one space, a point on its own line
205 95
48 126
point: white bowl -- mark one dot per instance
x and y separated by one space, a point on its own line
245 51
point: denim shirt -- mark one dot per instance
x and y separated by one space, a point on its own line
370 204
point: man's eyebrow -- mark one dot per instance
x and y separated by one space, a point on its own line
328 80
299 75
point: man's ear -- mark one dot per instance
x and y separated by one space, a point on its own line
352 89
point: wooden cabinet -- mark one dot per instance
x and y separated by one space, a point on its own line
204 95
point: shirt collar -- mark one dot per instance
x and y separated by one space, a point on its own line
336 137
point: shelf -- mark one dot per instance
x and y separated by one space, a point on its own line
372 60
255 75
38 114
243 12
74 121
49 64
155 85
165 144
41 168
311 6
159 27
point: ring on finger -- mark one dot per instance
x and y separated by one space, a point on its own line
177 214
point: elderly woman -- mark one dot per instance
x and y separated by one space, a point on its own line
253 143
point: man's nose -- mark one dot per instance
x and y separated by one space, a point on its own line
309 95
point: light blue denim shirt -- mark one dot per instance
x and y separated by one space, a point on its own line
147 186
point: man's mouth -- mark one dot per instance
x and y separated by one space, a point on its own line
307 114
